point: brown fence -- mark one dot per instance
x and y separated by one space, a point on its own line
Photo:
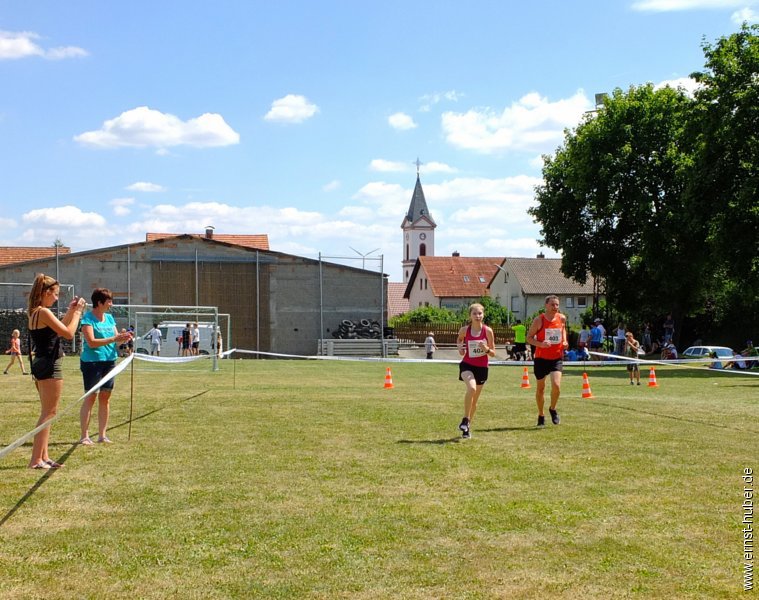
445 333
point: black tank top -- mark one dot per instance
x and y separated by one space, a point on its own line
44 341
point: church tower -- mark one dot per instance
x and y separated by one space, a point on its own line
418 230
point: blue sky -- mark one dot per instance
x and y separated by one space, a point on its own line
302 120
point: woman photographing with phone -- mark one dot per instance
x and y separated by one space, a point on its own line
45 356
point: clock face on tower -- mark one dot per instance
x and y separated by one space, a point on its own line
422 236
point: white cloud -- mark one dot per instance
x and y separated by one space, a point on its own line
537 162
22 44
121 206
686 83
63 216
672 5
332 186
145 186
7 223
428 100
143 127
388 166
436 167
291 109
532 123
401 121
745 14
70 224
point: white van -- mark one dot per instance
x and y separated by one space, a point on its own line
171 339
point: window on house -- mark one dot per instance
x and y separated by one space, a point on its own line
406 251
466 278
421 284
425 284
422 249
482 279
570 302
582 301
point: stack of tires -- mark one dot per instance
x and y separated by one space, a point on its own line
358 330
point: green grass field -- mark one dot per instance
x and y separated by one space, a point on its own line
295 479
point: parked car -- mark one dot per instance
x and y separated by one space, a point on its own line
706 352
711 352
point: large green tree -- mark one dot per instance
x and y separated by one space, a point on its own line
725 183
612 200
656 193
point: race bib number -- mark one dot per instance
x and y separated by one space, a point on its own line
553 336
475 349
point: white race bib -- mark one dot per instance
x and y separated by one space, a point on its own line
553 336
475 349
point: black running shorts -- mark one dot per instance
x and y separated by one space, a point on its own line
545 366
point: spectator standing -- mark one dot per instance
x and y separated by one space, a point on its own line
669 329
631 351
583 338
647 338
520 341
429 345
98 358
195 340
186 337
596 338
46 357
154 335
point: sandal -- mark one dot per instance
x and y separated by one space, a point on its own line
40 465
104 440
52 464
86 441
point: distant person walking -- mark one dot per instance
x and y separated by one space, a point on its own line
596 338
429 345
475 344
195 339
631 351
548 333
520 341
46 356
186 336
669 329
98 358
154 335
15 352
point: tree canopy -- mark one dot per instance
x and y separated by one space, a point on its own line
656 192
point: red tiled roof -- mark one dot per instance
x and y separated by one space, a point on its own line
257 241
396 303
15 254
459 276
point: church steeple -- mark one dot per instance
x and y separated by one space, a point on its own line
418 229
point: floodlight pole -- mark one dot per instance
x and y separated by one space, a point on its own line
508 310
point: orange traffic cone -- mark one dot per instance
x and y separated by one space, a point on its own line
525 379
586 393
388 379
652 378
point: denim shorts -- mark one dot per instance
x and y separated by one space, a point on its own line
93 372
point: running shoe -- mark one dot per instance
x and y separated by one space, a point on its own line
554 416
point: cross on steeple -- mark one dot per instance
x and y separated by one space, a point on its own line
418 164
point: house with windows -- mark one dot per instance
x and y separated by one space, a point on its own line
521 284
450 281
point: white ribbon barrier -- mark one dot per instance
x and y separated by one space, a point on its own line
30 434
684 363
170 359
